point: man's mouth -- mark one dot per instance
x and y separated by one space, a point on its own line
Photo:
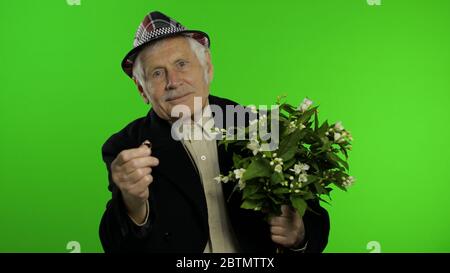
178 97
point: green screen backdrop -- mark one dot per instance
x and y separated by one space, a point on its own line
384 70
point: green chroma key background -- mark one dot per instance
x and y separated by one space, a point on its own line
383 70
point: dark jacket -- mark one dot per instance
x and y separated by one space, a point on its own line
178 220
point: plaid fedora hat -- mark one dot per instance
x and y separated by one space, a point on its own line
157 26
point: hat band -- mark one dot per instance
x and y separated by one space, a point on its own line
155 33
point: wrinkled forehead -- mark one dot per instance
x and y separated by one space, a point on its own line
166 49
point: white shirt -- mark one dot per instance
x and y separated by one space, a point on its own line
205 157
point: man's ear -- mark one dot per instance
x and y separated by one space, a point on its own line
209 67
141 91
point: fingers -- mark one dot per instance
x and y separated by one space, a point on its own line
132 165
136 175
279 239
140 187
284 235
138 163
279 221
277 230
127 155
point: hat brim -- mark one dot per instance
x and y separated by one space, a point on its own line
128 61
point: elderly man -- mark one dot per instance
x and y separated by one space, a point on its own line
164 197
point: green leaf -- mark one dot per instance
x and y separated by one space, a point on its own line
274 200
288 164
251 204
249 190
299 204
311 179
306 115
323 200
338 159
257 196
315 166
323 128
344 151
319 189
236 160
326 144
288 108
258 168
316 121
288 146
308 195
280 190
276 178
339 185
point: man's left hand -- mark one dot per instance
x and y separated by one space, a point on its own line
287 229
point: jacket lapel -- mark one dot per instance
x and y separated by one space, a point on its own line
175 164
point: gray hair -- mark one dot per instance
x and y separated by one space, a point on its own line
199 50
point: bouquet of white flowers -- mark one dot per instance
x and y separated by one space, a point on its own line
309 158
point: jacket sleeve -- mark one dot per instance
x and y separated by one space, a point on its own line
317 227
117 231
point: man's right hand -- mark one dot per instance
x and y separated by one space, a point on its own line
131 172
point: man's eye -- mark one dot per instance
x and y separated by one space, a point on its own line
181 63
157 74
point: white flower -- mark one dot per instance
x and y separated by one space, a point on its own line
253 125
218 179
239 173
298 168
338 126
241 184
222 178
254 146
348 182
278 168
337 136
253 121
217 131
350 137
292 125
263 121
305 105
303 177
253 109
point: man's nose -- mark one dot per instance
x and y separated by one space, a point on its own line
173 80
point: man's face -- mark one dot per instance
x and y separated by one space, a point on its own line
174 76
